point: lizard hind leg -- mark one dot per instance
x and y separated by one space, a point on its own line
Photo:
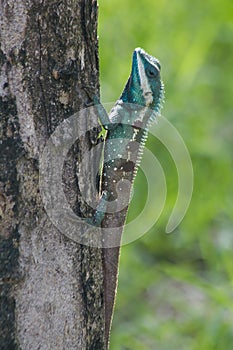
100 211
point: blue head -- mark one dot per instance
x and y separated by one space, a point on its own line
144 86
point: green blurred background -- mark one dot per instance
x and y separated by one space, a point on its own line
176 291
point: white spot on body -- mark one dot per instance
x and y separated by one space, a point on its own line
136 131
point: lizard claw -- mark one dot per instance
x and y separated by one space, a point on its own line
90 91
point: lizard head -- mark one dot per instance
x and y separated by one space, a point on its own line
144 86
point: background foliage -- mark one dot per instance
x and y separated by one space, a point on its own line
175 291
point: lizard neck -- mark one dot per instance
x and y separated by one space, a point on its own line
125 96
130 93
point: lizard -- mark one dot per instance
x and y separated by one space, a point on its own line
126 132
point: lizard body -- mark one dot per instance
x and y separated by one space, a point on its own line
127 129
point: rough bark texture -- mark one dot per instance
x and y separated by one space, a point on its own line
51 287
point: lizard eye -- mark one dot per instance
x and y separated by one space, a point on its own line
151 72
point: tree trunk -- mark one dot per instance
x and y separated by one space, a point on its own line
51 287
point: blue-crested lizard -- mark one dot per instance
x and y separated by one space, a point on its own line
127 129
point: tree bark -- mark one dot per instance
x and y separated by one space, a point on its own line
51 287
